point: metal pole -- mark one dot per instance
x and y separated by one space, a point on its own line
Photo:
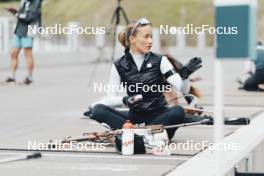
204 121
23 157
218 101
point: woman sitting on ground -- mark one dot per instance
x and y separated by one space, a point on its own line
139 66
256 80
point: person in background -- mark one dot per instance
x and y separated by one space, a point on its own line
256 80
28 14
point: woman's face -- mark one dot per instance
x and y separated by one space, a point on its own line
142 42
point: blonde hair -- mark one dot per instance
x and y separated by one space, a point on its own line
123 36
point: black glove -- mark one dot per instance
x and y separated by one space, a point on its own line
193 65
189 99
132 101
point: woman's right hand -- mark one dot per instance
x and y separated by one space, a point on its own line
132 101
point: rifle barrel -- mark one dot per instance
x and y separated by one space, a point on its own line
197 109
187 124
23 157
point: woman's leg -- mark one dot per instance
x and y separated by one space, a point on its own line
174 115
260 76
251 84
104 114
14 62
30 61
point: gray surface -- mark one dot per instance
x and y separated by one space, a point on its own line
51 109
89 164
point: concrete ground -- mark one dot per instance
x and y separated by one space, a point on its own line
52 108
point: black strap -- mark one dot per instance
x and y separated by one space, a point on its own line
169 73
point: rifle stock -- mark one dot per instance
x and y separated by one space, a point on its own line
104 136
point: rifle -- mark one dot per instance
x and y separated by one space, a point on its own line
93 136
105 136
193 110
109 137
187 109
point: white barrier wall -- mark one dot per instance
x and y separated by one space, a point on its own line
73 39
4 34
250 142
156 48
201 41
180 40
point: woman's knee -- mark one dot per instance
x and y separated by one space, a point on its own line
178 112
28 52
251 86
99 111
14 54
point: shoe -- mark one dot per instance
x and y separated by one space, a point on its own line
88 113
106 126
210 120
239 81
237 121
10 80
27 81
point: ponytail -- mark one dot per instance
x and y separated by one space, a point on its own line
122 38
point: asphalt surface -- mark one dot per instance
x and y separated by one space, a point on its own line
51 108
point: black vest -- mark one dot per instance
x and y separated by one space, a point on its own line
149 74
